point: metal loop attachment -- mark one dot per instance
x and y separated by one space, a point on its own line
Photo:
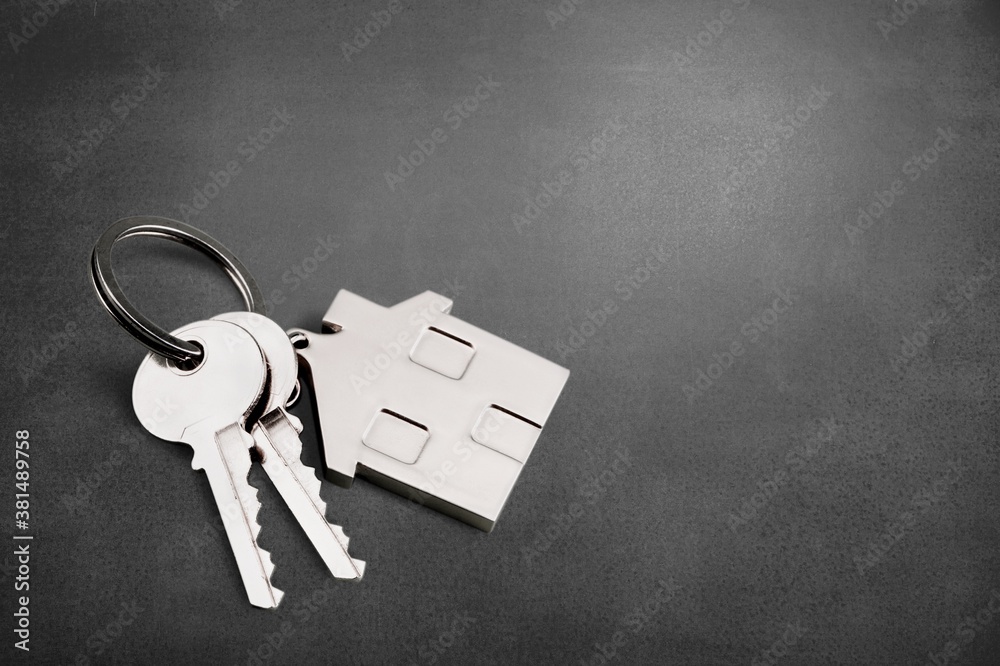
142 329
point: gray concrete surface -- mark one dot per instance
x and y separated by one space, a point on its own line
778 443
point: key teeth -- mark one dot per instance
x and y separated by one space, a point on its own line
279 438
307 477
239 463
251 507
279 434
267 566
249 499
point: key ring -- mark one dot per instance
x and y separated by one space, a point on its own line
113 298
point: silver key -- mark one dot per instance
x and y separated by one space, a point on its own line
276 436
207 408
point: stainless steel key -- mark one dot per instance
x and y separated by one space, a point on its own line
276 436
207 408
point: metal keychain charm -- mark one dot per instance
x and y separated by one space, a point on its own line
425 404
410 397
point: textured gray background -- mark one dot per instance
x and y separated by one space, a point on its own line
141 532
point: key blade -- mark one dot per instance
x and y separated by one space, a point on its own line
228 473
206 407
277 438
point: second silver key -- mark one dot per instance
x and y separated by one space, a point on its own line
276 436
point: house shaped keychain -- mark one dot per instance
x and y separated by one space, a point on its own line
424 404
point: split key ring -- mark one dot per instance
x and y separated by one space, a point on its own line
114 300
